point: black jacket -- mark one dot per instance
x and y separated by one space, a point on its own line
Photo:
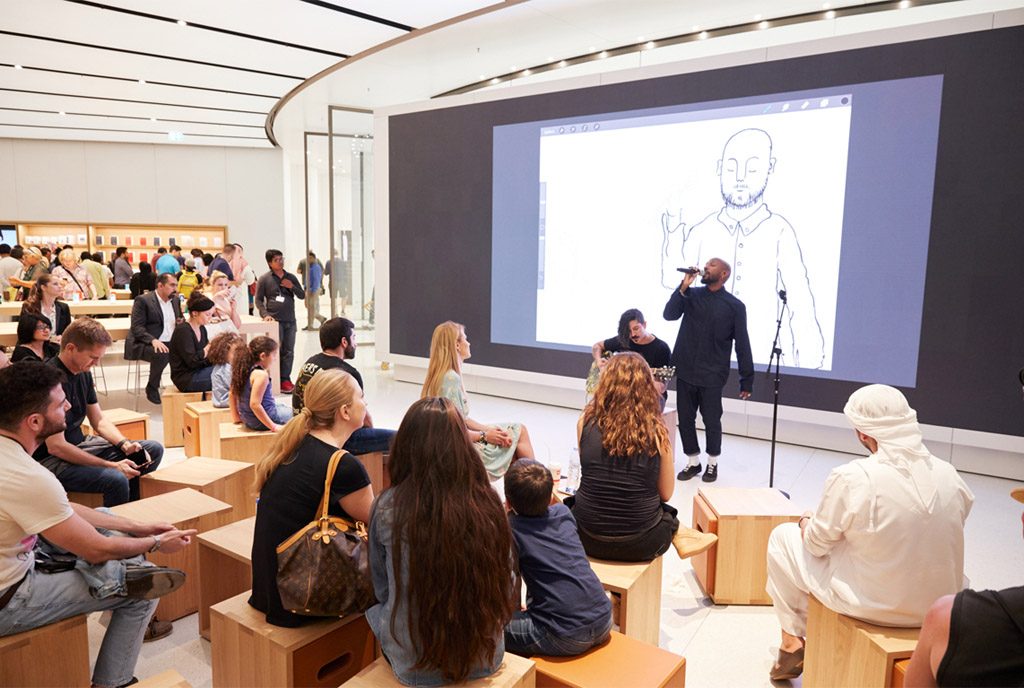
147 323
63 312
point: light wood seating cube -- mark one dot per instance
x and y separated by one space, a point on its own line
248 651
639 587
52 655
377 468
735 569
165 679
239 443
89 499
225 566
671 417
132 424
622 661
201 426
843 651
228 481
184 509
173 403
514 672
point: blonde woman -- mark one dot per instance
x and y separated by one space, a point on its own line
75 282
290 481
497 444
628 476
224 317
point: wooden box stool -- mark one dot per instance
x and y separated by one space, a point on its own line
622 661
248 651
132 424
201 424
239 443
843 651
227 553
228 481
514 672
52 655
735 569
639 587
89 499
184 509
165 679
671 417
377 468
173 403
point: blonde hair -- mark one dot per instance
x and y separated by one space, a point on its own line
627 409
213 277
444 356
327 392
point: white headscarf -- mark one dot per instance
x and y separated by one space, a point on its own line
882 412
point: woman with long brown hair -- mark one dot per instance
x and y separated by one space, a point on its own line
440 554
628 474
290 481
252 394
44 299
497 444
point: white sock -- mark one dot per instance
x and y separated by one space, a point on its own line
712 460
693 461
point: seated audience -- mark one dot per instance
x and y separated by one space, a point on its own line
75 282
99 462
43 299
887 538
225 316
34 265
190 371
567 611
222 349
972 638
10 266
142 281
252 390
440 548
496 444
111 574
155 314
627 471
337 339
34 339
290 480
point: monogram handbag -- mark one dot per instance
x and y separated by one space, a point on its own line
323 569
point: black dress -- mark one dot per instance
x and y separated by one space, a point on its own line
288 501
23 353
185 354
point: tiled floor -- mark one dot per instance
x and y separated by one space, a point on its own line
723 645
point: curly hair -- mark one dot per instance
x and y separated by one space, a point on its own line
222 346
243 358
627 409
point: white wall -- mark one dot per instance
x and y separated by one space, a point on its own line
86 182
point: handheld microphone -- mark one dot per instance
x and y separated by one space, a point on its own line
782 295
690 271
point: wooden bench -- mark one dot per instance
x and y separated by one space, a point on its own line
225 566
248 651
165 679
735 569
173 404
671 417
184 509
622 661
52 655
843 651
899 672
131 424
228 481
639 588
89 499
239 443
514 672
200 425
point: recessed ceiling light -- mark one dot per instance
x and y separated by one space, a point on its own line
17 66
152 119
526 72
62 113
495 80
603 54
648 45
182 22
904 4
831 14
703 35
142 81
562 63
763 25
481 77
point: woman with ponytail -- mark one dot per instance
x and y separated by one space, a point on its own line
252 394
290 481
440 554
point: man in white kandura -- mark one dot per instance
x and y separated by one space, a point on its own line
887 538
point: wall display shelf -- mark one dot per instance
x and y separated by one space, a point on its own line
142 240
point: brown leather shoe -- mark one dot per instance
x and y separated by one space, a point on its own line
788 665
689 541
156 630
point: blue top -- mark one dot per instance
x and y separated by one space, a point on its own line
167 263
222 265
268 403
563 592
714 320
395 640
316 276
221 385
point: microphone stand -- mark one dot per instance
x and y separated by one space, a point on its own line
776 357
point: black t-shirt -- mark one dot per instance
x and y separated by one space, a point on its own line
657 353
314 365
288 501
986 640
80 392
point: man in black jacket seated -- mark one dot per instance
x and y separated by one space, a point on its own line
154 316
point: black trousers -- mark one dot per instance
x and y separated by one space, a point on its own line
645 546
157 363
707 400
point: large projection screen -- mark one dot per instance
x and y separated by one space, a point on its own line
878 187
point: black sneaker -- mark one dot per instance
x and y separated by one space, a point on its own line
151 582
688 472
711 474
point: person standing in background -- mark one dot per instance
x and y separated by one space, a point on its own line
276 292
122 268
313 271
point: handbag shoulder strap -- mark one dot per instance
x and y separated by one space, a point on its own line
331 468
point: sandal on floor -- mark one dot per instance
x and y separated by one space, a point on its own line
788 665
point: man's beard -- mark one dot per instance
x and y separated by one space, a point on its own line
50 429
755 199
350 352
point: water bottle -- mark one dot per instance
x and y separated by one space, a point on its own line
573 482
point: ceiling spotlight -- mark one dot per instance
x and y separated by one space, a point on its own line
603 54
562 63
703 35
182 22
142 81
17 66
904 4
495 80
526 72
482 77
648 45
831 14
62 113
152 119
763 25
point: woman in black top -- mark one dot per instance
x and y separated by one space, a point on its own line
291 478
34 339
43 298
142 281
628 475
190 371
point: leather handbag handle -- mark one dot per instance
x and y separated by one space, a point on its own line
331 468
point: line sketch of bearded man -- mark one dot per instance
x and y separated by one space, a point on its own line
760 245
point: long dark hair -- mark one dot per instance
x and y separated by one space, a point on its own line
624 320
34 302
452 528
27 323
244 358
